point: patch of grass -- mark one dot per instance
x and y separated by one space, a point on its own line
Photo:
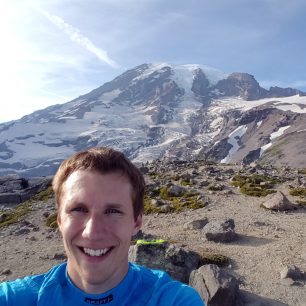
217 259
256 185
44 195
14 215
298 192
215 188
148 207
185 183
188 200
256 191
51 221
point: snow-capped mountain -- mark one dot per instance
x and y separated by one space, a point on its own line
163 111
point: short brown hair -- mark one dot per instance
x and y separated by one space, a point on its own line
102 160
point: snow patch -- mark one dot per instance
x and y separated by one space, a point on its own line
234 137
274 135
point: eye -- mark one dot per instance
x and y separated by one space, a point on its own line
113 211
80 209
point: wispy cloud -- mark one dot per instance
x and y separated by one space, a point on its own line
76 36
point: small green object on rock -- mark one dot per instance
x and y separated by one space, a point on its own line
156 241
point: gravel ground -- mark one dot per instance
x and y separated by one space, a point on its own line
269 241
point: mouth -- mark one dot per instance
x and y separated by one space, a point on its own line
96 252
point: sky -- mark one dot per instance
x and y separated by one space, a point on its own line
53 51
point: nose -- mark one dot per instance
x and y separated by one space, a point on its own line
95 228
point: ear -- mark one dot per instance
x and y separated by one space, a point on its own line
137 224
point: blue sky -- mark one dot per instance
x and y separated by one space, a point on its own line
55 50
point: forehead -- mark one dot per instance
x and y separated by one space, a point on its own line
84 181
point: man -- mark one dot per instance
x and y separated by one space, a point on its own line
99 195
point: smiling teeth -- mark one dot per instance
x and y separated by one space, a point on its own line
93 252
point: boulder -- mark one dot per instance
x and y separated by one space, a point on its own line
176 191
176 261
196 224
216 286
292 272
220 231
278 202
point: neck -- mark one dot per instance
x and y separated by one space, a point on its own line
98 285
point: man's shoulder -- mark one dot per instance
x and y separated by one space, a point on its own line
150 275
24 290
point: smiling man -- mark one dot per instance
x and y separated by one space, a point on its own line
99 195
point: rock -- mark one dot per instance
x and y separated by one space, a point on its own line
292 272
216 286
22 231
220 231
14 190
46 214
6 272
165 208
196 224
278 202
175 191
176 261
3 217
157 202
59 256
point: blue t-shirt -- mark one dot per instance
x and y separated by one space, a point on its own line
141 286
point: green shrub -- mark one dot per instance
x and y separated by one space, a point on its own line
298 191
51 221
256 185
188 200
185 183
217 259
14 215
44 195
164 193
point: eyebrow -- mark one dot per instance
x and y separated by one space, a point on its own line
113 205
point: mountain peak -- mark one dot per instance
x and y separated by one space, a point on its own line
155 110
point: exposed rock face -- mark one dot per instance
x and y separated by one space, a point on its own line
275 91
243 85
14 190
216 286
264 134
200 86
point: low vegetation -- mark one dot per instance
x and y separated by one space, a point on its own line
14 215
186 200
256 185
51 221
301 193
217 259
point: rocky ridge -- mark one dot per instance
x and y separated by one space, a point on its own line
197 208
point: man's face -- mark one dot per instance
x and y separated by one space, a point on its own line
97 222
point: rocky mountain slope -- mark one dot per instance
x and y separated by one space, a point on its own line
159 111
179 196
